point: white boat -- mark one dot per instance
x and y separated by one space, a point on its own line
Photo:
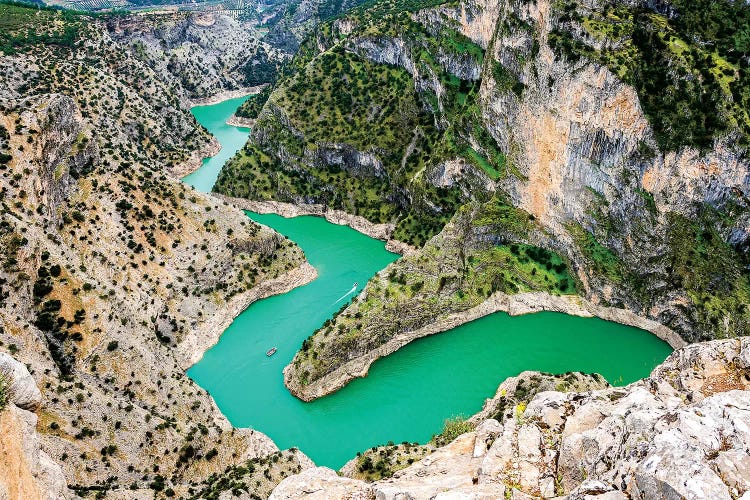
271 351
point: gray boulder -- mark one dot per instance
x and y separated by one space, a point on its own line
24 392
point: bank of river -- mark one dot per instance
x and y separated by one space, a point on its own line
407 395
231 138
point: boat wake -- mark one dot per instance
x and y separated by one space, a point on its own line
354 289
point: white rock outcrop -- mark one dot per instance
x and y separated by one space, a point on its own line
24 392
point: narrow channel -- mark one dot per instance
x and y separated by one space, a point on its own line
408 395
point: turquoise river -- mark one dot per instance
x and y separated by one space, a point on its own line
406 396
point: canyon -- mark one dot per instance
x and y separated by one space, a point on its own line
513 151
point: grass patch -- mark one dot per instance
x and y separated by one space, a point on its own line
712 273
452 428
601 259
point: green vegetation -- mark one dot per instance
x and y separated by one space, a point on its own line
533 268
381 462
358 136
261 69
337 109
505 80
255 478
252 106
600 259
22 26
712 273
452 428
386 10
324 110
689 71
504 218
52 42
60 333
455 271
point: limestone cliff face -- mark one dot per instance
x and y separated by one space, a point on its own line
206 53
533 111
586 155
680 433
26 471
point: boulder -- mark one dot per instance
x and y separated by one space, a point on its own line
24 392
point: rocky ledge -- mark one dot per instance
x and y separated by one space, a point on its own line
378 231
241 121
683 432
521 303
195 160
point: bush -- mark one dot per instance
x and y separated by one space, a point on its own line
452 428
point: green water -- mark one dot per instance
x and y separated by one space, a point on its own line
408 395
231 138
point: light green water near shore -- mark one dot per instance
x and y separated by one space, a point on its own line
214 118
408 395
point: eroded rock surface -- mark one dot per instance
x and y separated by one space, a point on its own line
26 471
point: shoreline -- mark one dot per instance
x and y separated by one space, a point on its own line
380 232
196 158
514 305
241 121
192 348
195 161
224 96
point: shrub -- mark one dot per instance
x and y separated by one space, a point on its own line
452 428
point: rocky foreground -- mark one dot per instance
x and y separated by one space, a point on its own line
683 432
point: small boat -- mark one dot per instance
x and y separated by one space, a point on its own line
271 351
356 284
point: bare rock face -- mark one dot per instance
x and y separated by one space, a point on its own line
684 432
580 138
321 483
26 471
115 278
208 53
24 392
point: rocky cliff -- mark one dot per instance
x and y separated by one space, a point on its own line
206 53
680 433
290 22
538 130
26 471
116 277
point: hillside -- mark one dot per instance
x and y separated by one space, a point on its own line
290 22
537 130
206 53
116 277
